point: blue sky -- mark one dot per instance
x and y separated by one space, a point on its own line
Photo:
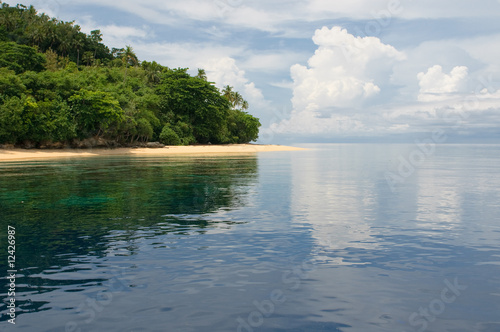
325 70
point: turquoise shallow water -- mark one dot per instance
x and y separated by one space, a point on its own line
347 237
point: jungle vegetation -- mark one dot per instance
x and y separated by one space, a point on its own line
60 86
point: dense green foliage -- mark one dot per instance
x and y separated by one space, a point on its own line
58 84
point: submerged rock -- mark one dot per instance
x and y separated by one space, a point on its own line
155 145
7 146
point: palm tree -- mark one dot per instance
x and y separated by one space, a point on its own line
228 93
202 74
9 19
96 38
88 58
237 99
78 42
129 57
36 33
65 36
29 14
153 71
234 98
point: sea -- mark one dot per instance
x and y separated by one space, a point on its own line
338 237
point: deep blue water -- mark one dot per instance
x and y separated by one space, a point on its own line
346 237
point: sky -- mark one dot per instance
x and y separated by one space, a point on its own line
325 70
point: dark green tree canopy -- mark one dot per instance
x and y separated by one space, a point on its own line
20 58
195 101
59 85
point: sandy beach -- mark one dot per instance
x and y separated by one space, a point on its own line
35 154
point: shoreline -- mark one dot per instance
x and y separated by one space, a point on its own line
230 149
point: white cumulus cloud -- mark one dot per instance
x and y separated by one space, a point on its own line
437 85
224 71
342 72
116 35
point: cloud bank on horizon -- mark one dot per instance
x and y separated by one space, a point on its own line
321 69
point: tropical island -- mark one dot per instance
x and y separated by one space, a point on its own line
62 88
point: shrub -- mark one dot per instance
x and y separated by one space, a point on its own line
169 137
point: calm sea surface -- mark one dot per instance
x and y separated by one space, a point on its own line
344 237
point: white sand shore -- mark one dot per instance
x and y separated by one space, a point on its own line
35 154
